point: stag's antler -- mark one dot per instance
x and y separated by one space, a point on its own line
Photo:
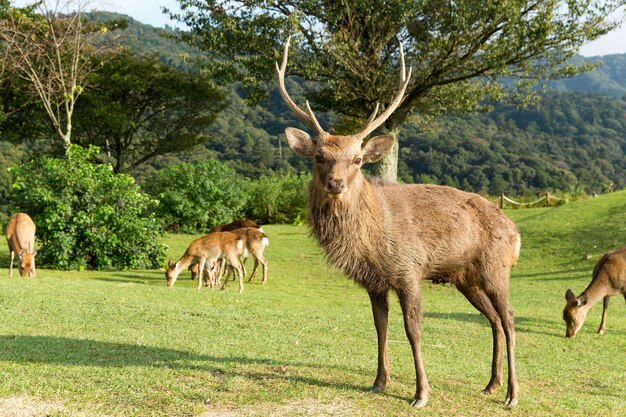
308 118
374 122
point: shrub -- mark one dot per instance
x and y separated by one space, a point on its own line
196 197
87 216
278 198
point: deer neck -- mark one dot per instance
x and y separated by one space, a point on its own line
349 229
596 291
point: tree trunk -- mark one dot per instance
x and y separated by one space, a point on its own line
388 167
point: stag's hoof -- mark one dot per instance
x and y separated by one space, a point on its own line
510 403
375 390
419 403
601 331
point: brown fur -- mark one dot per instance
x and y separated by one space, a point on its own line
237 224
389 237
609 278
20 234
206 250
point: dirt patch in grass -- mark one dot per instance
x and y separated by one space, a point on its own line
28 407
308 407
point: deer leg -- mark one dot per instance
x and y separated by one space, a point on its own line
254 269
11 263
478 298
380 309
201 272
410 301
237 265
605 306
242 261
228 271
501 304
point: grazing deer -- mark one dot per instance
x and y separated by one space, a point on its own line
206 250
609 278
255 243
388 237
20 235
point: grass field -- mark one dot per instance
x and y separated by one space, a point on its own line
121 343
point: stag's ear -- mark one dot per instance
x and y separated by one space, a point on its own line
300 142
582 300
376 148
569 295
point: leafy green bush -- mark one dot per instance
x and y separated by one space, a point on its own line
278 198
196 197
87 216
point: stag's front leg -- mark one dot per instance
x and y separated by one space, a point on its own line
380 309
410 301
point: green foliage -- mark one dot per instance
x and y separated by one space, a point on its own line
196 197
137 108
87 216
278 198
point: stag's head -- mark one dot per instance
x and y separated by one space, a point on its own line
337 160
26 263
573 313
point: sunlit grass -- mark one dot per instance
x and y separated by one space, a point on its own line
120 343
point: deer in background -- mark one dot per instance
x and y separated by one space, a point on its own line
20 235
388 237
255 242
206 250
609 278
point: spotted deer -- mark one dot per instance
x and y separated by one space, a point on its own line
608 279
387 237
20 234
206 250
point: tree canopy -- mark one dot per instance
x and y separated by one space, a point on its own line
137 108
460 50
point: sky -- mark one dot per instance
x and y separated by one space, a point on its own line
149 12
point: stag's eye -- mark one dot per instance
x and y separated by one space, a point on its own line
319 159
358 161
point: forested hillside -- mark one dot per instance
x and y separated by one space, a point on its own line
574 140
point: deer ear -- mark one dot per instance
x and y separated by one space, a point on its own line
582 300
376 148
569 295
300 142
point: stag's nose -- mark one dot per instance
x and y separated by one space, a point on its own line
335 186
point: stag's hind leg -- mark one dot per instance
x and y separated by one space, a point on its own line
479 299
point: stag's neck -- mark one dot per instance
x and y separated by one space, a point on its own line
350 231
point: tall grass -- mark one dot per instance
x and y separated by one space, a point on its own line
123 344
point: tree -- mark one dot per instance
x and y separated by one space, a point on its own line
138 108
48 45
461 51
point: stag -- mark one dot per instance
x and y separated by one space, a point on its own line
20 236
608 279
388 237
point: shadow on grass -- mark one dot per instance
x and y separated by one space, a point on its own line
563 275
82 352
522 324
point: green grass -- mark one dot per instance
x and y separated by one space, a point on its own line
123 344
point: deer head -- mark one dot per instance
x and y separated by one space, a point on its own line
338 159
573 313
26 262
